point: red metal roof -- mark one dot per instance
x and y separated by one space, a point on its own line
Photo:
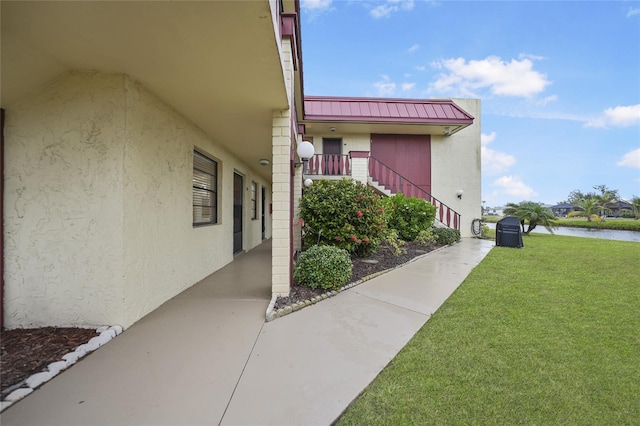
379 110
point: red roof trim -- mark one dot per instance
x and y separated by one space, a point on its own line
382 110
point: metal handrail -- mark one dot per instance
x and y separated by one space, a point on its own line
395 182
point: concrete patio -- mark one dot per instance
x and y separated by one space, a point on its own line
208 357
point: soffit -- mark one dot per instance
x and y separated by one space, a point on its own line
217 63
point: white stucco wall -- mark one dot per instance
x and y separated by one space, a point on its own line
455 164
98 204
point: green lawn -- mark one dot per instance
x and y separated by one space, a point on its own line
544 335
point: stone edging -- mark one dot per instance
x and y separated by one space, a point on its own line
272 314
106 333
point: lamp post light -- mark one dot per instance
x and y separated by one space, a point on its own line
305 151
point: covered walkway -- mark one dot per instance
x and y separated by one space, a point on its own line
207 356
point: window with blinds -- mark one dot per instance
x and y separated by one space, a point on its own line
205 190
254 200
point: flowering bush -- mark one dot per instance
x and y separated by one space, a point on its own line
326 267
344 213
409 216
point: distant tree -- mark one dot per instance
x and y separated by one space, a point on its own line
604 197
589 208
607 193
635 203
532 214
576 195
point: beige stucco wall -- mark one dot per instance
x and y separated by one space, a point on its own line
98 204
455 164
63 165
350 141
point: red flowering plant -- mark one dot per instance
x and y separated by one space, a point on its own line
344 213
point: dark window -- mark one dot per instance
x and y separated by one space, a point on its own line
254 200
205 190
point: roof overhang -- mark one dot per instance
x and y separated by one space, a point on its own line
215 62
380 115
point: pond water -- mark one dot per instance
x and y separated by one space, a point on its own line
605 234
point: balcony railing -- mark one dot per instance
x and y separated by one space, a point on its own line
329 165
394 182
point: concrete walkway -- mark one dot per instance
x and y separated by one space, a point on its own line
208 357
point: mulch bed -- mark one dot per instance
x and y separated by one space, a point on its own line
26 351
382 260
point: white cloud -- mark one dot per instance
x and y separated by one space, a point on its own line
391 6
421 68
494 162
545 101
408 86
530 56
620 116
631 159
514 78
633 12
382 11
513 187
316 5
385 87
413 48
487 139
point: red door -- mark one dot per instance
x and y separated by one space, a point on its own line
408 155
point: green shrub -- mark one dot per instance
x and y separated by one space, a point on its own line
393 243
446 235
344 213
326 267
409 216
426 237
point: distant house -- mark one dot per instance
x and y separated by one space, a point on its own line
494 211
563 209
615 208
618 207
147 143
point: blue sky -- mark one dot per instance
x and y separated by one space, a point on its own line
559 81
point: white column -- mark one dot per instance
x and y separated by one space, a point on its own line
281 243
297 195
360 166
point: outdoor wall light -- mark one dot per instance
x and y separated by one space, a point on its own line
308 182
264 162
459 193
305 151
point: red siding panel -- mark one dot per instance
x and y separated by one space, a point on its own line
408 155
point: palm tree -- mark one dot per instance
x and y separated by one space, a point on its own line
532 213
590 208
635 202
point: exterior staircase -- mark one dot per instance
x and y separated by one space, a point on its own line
386 181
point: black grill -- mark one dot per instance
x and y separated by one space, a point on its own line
509 232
